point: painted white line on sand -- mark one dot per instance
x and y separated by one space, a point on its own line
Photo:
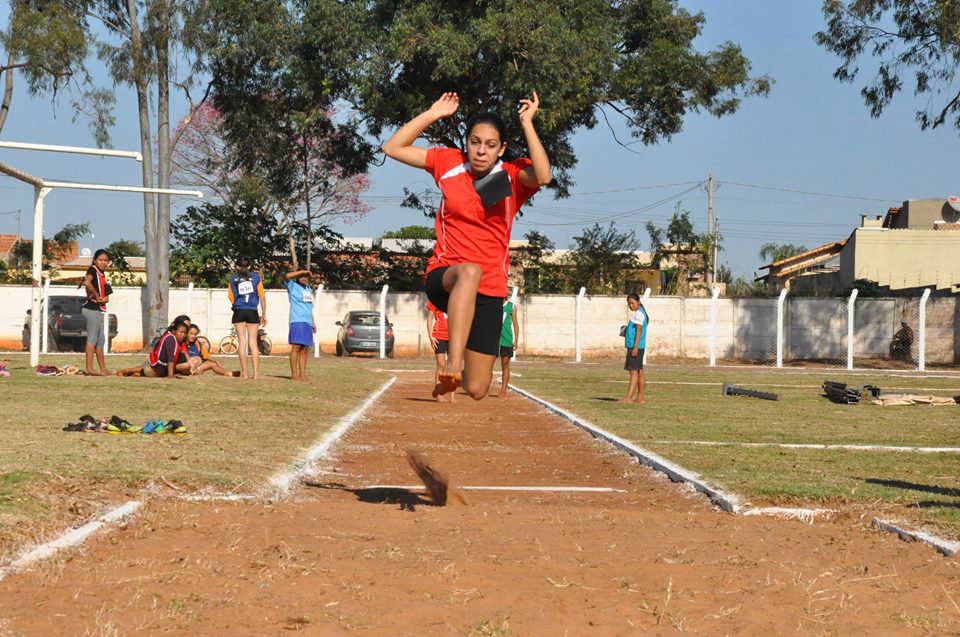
218 497
281 483
726 501
947 547
420 487
791 513
73 537
788 445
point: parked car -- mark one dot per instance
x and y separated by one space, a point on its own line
360 332
66 326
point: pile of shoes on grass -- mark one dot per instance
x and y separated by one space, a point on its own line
53 370
117 425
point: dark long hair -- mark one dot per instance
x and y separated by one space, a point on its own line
93 263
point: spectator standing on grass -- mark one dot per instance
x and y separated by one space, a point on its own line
635 338
302 327
246 296
508 344
98 294
438 335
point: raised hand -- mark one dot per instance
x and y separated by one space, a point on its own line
528 108
445 106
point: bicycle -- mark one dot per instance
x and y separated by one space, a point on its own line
230 344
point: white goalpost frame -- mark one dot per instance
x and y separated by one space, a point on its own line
713 326
42 188
850 304
922 336
45 323
780 301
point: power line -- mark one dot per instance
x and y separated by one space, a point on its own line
807 192
620 215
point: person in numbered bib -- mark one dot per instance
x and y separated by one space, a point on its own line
98 294
482 193
508 344
635 338
438 335
247 295
302 327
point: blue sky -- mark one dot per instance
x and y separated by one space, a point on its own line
812 134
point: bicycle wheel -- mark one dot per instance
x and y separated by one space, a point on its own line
229 345
203 340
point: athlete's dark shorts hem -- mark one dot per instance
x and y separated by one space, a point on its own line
246 316
442 346
487 323
506 351
634 364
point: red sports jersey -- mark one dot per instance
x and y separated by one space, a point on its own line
468 233
439 323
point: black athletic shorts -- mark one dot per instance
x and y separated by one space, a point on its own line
634 364
484 335
442 347
506 351
246 316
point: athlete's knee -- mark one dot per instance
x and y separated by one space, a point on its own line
469 272
475 390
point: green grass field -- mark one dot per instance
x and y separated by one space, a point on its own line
685 404
240 432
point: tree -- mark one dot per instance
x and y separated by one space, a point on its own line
679 252
531 260
54 249
47 44
588 59
921 37
600 258
411 232
120 249
204 159
773 252
211 238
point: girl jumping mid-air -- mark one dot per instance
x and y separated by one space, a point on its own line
467 274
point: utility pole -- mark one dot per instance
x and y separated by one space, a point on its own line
712 273
716 235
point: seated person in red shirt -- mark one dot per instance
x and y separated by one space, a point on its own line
198 356
162 361
467 274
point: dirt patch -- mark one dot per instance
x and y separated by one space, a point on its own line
356 552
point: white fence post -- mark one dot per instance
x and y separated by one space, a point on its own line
780 301
922 341
513 299
383 321
36 274
850 303
713 327
45 317
106 326
578 338
190 299
644 299
316 319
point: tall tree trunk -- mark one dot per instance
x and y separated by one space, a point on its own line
162 46
156 309
7 91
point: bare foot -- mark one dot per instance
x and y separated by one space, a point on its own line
90 372
448 382
625 400
640 402
106 372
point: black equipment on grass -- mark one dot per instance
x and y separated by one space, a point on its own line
844 394
729 389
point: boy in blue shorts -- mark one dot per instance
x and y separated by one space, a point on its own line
302 328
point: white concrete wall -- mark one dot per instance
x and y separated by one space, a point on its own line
679 328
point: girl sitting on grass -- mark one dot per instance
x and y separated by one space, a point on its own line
162 361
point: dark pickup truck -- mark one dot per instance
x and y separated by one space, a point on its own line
66 324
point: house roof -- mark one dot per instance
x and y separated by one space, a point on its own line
7 241
891 215
405 245
817 254
82 263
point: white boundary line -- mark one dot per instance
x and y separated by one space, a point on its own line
420 487
73 537
946 547
726 501
281 483
788 445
